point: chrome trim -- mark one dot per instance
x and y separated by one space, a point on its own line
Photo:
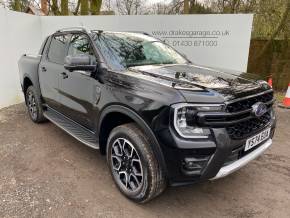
247 97
226 170
181 105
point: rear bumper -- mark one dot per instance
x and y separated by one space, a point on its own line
226 170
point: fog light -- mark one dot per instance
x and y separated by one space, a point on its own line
193 166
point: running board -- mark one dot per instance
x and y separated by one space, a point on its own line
77 131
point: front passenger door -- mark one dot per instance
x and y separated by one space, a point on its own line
77 88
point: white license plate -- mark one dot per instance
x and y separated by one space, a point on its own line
257 139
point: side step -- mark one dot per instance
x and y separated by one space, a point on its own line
77 131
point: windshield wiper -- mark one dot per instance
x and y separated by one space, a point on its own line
143 64
140 64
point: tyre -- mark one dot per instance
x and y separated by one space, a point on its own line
133 164
34 106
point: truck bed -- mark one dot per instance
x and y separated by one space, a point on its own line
28 68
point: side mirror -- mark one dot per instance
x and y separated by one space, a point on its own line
80 62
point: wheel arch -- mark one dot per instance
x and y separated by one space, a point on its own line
130 116
26 83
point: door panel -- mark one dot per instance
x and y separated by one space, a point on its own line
49 83
77 93
50 68
78 89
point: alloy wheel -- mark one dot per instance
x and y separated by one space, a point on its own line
126 164
32 105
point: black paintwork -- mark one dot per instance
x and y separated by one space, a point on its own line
144 94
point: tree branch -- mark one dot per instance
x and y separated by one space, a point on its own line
275 33
77 8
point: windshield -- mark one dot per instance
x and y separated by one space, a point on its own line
123 50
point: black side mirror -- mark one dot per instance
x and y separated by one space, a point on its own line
80 62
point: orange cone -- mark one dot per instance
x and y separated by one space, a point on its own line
270 81
286 102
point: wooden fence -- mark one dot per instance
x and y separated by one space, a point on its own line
275 62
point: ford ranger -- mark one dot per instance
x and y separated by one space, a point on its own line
159 118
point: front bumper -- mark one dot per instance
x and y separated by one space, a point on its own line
226 170
220 154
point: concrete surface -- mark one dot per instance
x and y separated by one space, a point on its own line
46 173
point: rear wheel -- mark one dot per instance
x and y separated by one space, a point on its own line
133 164
34 106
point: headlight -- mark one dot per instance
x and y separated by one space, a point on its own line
185 119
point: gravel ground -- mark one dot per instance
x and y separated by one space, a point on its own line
46 173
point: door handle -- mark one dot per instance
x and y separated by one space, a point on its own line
43 69
64 75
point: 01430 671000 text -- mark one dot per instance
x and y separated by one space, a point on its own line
195 43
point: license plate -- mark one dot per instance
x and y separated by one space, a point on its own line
257 139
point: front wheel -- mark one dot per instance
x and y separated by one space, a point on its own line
133 164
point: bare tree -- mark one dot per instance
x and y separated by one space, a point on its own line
107 5
17 5
84 7
281 25
189 7
95 7
2 4
77 8
158 8
55 8
232 6
186 4
130 7
64 7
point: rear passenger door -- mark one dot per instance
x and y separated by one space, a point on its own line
78 90
51 69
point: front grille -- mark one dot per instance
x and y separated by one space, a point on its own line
249 127
247 103
253 125
238 119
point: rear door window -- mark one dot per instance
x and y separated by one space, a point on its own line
57 49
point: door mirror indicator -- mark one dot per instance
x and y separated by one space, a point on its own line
80 62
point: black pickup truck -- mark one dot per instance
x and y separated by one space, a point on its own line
159 119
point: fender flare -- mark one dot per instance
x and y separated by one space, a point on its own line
26 76
34 81
141 123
